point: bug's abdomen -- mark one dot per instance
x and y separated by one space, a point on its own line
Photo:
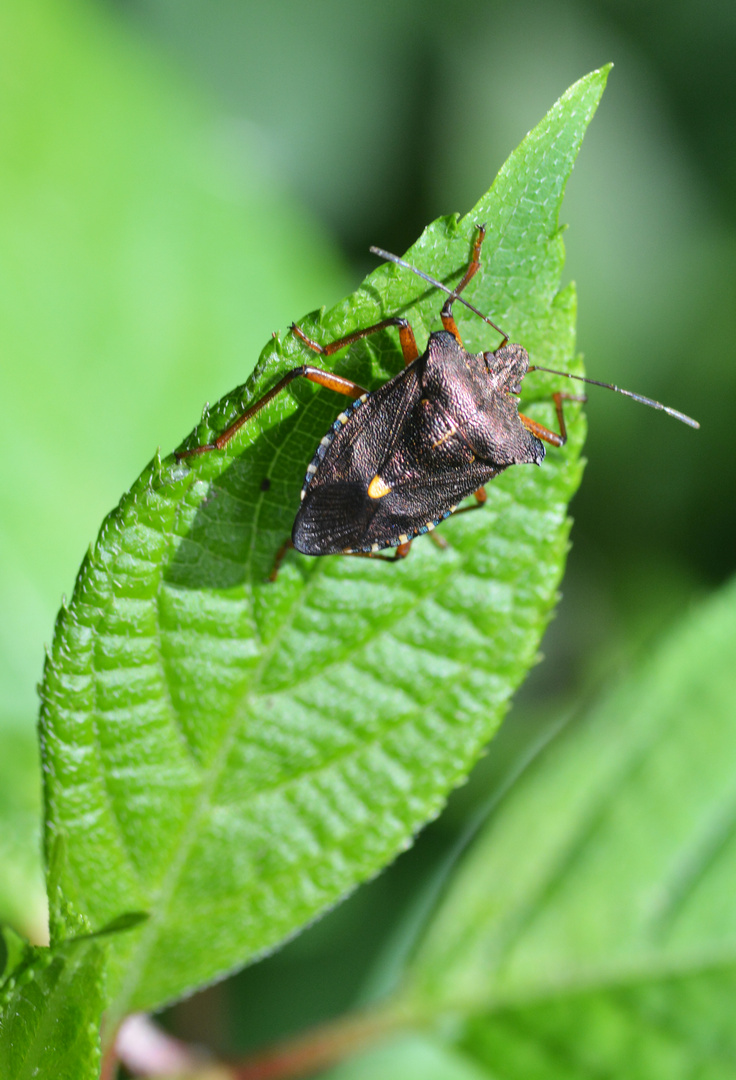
346 516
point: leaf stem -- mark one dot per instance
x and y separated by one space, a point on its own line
322 1046
148 1051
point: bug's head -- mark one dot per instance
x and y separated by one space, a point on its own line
507 367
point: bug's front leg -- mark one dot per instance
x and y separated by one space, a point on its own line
544 433
406 338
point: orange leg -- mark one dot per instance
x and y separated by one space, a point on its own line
400 552
544 433
286 546
448 320
406 338
315 375
481 498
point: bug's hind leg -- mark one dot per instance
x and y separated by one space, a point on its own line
313 374
481 497
400 552
286 546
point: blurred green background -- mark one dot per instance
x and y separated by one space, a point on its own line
179 178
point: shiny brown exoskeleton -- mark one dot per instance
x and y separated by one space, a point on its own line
402 458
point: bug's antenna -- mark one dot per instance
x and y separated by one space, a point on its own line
535 367
619 390
437 284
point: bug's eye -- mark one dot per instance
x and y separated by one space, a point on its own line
495 369
500 377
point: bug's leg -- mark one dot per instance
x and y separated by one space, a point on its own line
315 375
438 540
481 498
286 546
448 320
400 552
406 338
544 433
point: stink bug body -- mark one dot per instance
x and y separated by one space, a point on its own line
399 460
402 458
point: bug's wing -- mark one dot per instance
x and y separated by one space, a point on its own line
394 468
332 518
418 503
374 433
336 510
341 516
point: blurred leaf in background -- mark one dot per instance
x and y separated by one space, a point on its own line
590 931
22 890
145 257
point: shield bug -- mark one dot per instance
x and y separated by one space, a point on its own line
400 459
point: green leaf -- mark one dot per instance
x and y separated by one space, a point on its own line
11 951
233 755
591 931
50 1009
665 1028
51 1003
